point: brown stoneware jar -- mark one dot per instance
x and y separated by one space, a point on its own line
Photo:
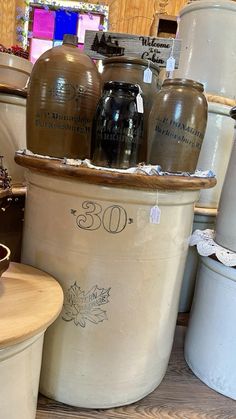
177 125
63 93
131 69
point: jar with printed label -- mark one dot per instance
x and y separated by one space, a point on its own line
177 125
118 126
143 72
63 93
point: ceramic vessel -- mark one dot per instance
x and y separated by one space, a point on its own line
215 151
177 125
4 258
63 92
225 223
13 129
205 54
211 337
131 70
121 276
30 302
14 71
118 126
203 218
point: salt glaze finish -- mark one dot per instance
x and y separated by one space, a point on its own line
63 92
211 337
13 129
216 150
121 277
131 70
206 56
225 223
177 125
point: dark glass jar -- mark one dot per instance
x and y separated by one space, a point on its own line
118 126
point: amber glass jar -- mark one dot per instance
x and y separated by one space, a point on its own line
177 125
63 93
131 70
118 126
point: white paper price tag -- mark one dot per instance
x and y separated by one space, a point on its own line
155 215
147 75
139 101
170 64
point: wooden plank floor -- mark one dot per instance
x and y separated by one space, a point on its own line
181 395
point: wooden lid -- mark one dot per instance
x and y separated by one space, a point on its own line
116 179
30 300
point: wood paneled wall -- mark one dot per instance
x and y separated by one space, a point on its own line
127 16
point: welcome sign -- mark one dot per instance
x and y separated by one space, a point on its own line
100 45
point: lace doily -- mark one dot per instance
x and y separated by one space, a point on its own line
206 246
141 168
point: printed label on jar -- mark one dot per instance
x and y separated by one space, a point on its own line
180 132
56 120
64 92
121 135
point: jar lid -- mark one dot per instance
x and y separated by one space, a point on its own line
121 85
30 301
184 82
232 112
129 59
70 39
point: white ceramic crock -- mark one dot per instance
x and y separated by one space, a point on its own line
203 219
14 71
211 335
215 151
226 220
206 55
13 133
30 301
121 277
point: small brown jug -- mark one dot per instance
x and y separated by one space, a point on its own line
177 125
63 92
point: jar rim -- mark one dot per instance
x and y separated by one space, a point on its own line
232 112
184 82
129 59
121 85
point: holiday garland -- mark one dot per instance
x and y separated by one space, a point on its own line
23 15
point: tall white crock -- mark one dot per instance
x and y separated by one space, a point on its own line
121 277
13 131
215 151
226 219
30 301
207 54
211 335
204 218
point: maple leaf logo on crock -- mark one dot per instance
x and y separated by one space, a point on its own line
81 307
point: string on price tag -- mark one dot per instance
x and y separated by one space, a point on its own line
147 74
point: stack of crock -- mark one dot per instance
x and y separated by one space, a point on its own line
211 335
207 58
